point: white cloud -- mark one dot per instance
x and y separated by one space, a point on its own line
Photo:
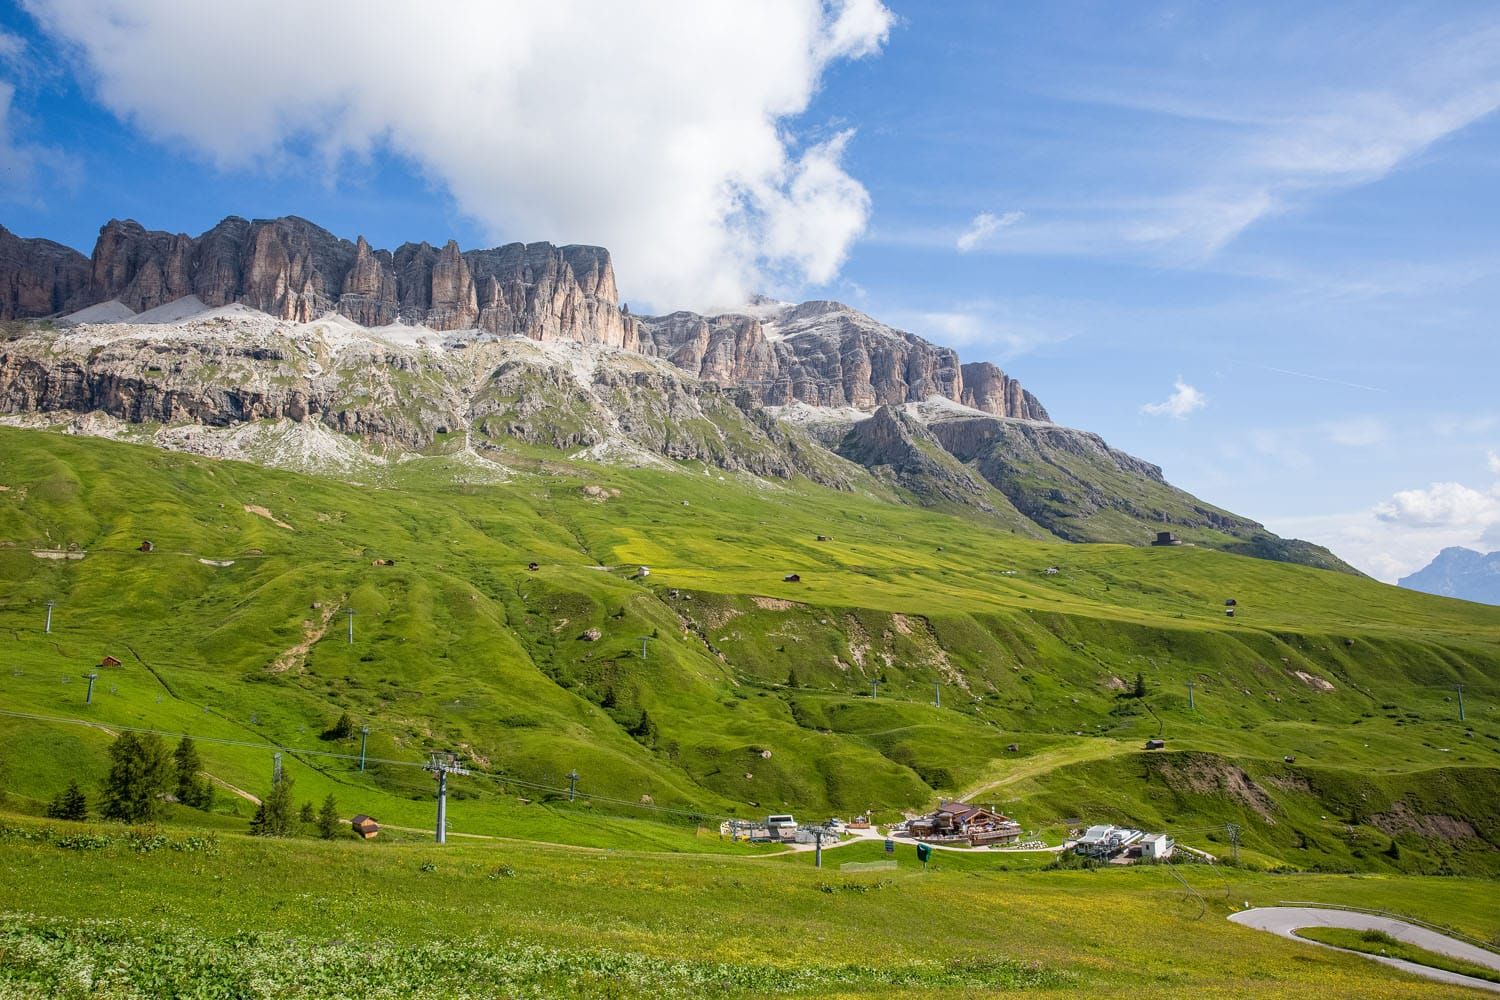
1441 505
1184 400
1401 535
983 226
659 130
1494 462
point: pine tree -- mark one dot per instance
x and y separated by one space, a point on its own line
273 817
307 817
140 773
342 729
192 789
328 819
72 804
644 730
1140 686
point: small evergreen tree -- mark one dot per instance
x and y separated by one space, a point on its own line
140 773
72 804
307 817
328 818
193 789
273 817
342 729
644 730
1140 687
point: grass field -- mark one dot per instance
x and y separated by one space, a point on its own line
758 691
246 917
1380 943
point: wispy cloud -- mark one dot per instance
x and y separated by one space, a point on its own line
983 226
1184 400
1494 461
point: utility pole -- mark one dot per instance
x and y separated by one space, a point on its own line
937 695
88 699
350 613
48 629
818 849
874 687
572 783
443 764
1460 703
1190 696
276 768
1234 841
364 737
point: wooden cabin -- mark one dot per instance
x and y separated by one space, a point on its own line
365 826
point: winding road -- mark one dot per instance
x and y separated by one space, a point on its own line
1286 920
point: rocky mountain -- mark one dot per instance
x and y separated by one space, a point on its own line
1459 572
39 277
278 342
822 353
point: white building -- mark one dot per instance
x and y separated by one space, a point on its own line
1156 847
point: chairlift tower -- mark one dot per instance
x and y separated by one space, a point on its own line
572 783
88 699
349 613
1191 706
1460 689
645 639
48 629
442 764
364 737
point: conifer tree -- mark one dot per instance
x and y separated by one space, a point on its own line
71 803
328 818
140 773
273 817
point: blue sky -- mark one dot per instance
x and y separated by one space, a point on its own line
1252 245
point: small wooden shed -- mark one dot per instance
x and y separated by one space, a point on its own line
365 826
1156 744
110 661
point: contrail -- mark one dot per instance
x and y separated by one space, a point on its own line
1315 378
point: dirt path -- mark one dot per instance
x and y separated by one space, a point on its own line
1286 920
1094 748
312 632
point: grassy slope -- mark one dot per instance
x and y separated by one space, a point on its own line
547 921
458 644
1377 943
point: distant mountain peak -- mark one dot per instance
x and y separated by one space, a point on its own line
1459 572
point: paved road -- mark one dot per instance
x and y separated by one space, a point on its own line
1284 920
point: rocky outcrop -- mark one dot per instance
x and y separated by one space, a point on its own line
989 389
820 353
901 450
295 270
827 354
39 277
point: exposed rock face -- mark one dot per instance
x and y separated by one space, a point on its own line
989 389
827 354
39 277
894 445
820 353
294 270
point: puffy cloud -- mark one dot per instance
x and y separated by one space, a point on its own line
660 130
1441 505
983 226
1184 400
1401 535
1494 460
